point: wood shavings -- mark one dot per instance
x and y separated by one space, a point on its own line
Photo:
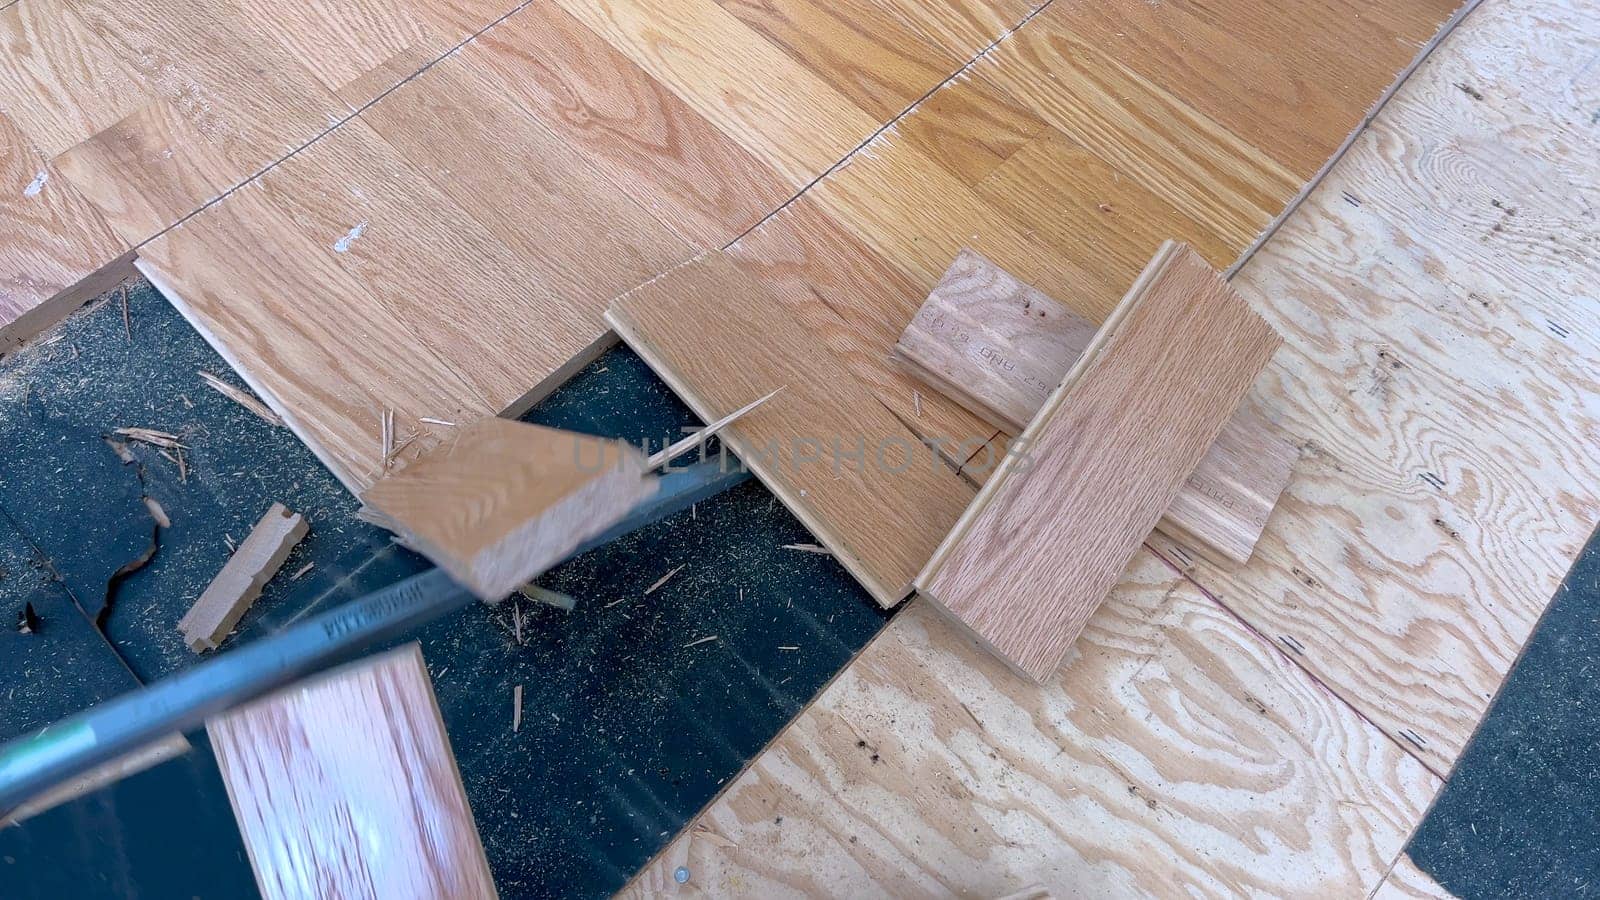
127 323
430 421
152 437
695 643
808 548
663 580
243 398
300 572
516 709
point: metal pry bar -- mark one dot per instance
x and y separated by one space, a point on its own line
33 764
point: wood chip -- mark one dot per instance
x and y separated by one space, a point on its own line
239 583
152 437
657 460
808 548
516 709
127 324
241 397
300 572
663 580
429 421
696 643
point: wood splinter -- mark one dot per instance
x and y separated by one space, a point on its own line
207 624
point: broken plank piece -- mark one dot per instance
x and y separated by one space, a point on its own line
207 624
497 502
999 347
872 492
1051 531
318 773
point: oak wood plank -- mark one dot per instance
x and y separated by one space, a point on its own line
497 502
1035 553
304 333
344 785
999 347
57 250
866 53
663 153
59 82
789 118
872 493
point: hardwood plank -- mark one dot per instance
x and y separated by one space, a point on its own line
666 156
1035 553
237 585
239 87
303 333
1088 211
137 177
790 118
497 502
58 251
312 770
721 337
969 127
378 216
1447 405
340 41
1291 105
1177 752
851 299
562 217
1000 347
866 53
59 83
963 27
1139 128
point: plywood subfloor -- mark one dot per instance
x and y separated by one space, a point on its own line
1435 294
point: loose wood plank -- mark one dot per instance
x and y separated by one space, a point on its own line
1177 752
1045 539
497 502
345 786
1000 347
874 495
259 557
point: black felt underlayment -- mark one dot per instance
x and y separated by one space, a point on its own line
631 721
1520 815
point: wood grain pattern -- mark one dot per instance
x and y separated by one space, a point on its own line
259 557
497 502
57 253
790 117
1000 347
150 109
1407 882
666 156
860 49
1176 752
874 495
1140 128
850 298
1438 365
1035 553
345 786
238 273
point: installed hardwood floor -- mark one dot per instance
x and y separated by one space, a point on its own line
149 109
